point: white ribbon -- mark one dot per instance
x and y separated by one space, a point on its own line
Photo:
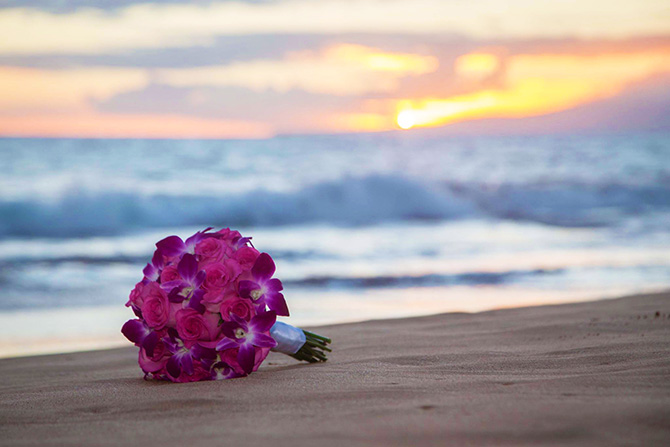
289 338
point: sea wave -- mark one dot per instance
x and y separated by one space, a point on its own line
348 201
430 280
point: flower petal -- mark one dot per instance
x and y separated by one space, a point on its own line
221 370
157 260
246 357
199 278
188 267
245 288
263 268
173 366
135 331
228 328
263 322
274 285
276 302
150 342
241 322
171 246
195 302
187 364
175 295
226 343
150 272
190 243
199 352
264 341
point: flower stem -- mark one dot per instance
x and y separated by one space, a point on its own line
315 348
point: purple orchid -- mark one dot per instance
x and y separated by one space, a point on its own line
174 246
153 271
188 287
240 242
182 357
246 336
141 334
219 369
264 290
222 371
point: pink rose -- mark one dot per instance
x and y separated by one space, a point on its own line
191 325
212 320
220 274
156 307
261 354
136 295
228 235
212 300
156 362
246 256
210 250
199 373
241 307
169 273
229 356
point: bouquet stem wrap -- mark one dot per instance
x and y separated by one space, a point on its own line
299 344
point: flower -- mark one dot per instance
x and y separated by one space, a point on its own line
264 290
202 309
211 250
221 370
156 307
184 357
219 274
169 273
155 362
188 287
234 304
141 334
136 298
153 270
191 325
245 336
246 256
173 246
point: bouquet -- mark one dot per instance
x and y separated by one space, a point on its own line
207 309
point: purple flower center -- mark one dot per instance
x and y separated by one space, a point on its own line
240 333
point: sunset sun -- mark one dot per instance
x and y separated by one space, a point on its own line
406 119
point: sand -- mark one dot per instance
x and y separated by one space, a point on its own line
594 373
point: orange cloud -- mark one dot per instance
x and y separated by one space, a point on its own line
128 126
477 65
343 69
30 88
535 85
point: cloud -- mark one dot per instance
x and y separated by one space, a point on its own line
536 85
293 110
90 31
29 89
342 69
477 65
97 125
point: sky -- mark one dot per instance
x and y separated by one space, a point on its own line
254 69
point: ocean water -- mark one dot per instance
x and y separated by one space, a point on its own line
360 226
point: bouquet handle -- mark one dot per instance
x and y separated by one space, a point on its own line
300 344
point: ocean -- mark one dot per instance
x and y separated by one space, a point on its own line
360 226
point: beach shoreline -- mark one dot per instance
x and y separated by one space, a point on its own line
588 373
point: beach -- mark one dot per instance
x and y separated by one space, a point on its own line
594 373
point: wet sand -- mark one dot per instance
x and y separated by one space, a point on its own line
594 373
